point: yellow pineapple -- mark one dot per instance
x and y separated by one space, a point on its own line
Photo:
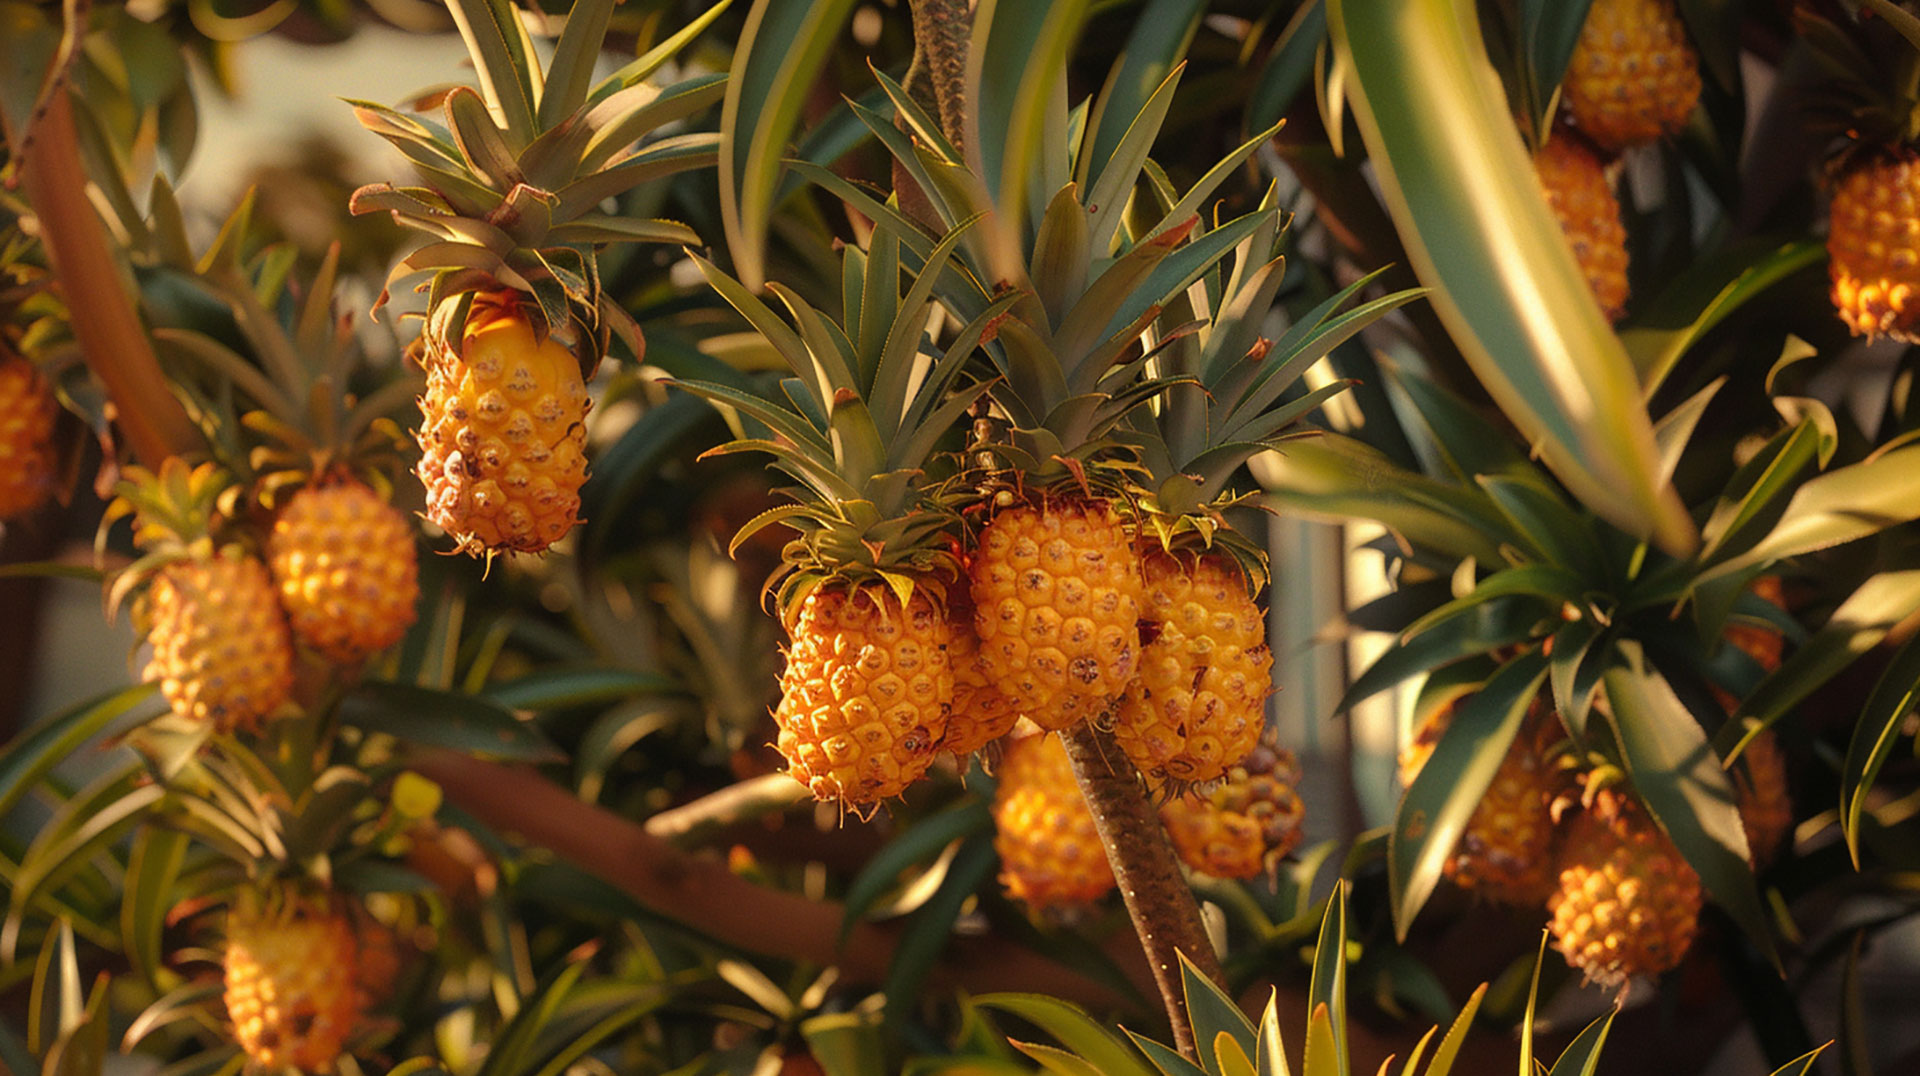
291 970
344 564
1582 201
1199 702
503 432
1633 77
863 701
1873 246
222 654
1625 903
1050 854
1056 589
27 458
1506 852
1247 822
981 713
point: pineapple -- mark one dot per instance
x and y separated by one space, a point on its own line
1247 823
290 977
1050 854
869 679
222 653
1506 852
1766 809
344 565
1633 77
512 191
1873 246
1625 903
980 714
1199 702
503 432
1582 201
27 458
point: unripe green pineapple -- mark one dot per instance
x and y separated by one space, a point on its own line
290 983
1050 853
1633 77
1625 902
344 564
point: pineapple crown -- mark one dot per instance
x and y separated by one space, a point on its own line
864 412
1869 99
179 511
1089 271
512 182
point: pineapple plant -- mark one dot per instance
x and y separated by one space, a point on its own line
1247 822
511 193
27 457
1583 202
291 974
1050 855
869 679
1633 77
1506 852
222 652
1624 903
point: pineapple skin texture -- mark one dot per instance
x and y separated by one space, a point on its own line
1057 596
1222 843
27 458
864 698
1198 701
1625 903
221 650
1506 851
1766 808
1633 78
290 987
1582 200
1050 853
1245 824
1873 247
344 564
981 712
503 437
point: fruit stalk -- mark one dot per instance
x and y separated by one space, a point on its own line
111 337
1164 913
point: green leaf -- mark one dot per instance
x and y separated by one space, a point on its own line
1582 1055
1801 1065
1014 69
1339 478
1680 780
153 865
1435 809
1056 1060
1703 295
1212 1014
1472 630
1855 628
1874 733
1449 1048
560 689
512 1047
1162 31
930 927
1165 1058
1544 522
1844 504
846 1043
779 53
1327 993
34 755
1549 29
60 850
570 74
503 57
1071 1025
1288 66
448 719
917 844
1752 497
1477 229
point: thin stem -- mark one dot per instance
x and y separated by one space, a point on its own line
1165 915
114 342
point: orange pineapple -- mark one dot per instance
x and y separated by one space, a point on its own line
1633 77
1246 823
290 983
1050 854
344 565
1625 902
27 458
1873 246
1506 852
1582 201
981 714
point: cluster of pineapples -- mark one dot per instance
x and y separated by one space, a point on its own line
1566 832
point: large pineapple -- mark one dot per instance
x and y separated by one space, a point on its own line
1625 903
1246 823
1633 77
512 191
869 680
27 458
291 970
1583 202
222 654
1050 854
1506 852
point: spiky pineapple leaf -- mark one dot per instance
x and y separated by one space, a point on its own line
1327 991
153 866
1704 294
33 755
1015 72
930 926
1880 725
1338 478
1289 65
502 55
1679 778
1752 498
1449 1049
1472 629
779 53
1862 620
919 843
97 816
1436 807
1839 506
447 719
1582 1055
1070 1024
1477 228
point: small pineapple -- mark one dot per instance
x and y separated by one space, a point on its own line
863 701
222 654
1766 808
1056 589
290 982
1633 77
1199 702
1625 902
503 432
1873 246
1246 823
344 564
1582 201
1050 854
27 459
981 713
1506 852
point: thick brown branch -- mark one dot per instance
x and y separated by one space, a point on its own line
702 893
104 320
1165 915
